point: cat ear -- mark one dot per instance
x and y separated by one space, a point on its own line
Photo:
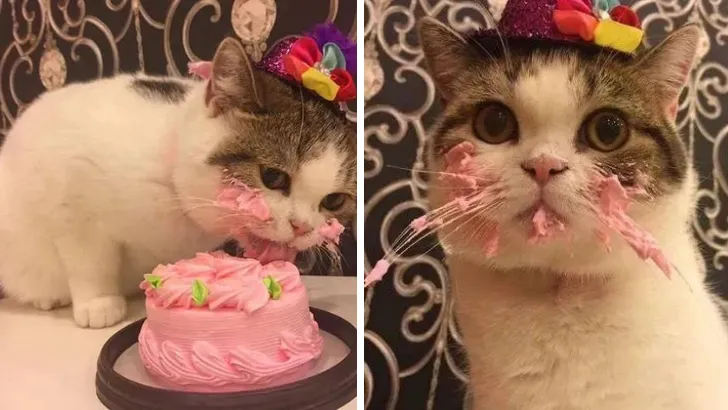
448 55
233 81
667 66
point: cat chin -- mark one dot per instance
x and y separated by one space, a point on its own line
299 244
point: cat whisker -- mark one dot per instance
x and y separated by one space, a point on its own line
493 24
412 233
335 258
439 213
433 214
192 208
247 224
434 172
303 110
473 213
189 198
477 210
506 51
457 228
332 255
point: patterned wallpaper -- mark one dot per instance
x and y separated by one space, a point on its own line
48 43
413 348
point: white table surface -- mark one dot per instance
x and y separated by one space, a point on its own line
48 363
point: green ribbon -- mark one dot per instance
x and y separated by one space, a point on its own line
605 5
332 57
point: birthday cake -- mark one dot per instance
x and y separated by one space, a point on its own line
218 323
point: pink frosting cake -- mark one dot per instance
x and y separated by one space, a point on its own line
217 323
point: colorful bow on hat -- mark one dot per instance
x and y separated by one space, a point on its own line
322 71
606 23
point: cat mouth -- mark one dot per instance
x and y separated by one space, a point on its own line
527 214
265 249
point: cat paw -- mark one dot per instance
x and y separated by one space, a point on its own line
103 311
50 304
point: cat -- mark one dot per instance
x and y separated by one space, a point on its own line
566 325
102 181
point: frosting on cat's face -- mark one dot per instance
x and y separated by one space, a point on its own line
293 151
544 122
301 200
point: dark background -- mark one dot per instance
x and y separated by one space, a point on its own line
413 355
99 38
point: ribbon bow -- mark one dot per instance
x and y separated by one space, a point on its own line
321 71
606 23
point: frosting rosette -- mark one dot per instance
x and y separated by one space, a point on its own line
217 280
322 61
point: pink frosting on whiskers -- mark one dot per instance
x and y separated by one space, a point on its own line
419 224
546 225
332 230
202 69
424 222
377 273
612 203
242 199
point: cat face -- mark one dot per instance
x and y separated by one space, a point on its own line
296 151
545 121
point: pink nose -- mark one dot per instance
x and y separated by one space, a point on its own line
543 167
300 228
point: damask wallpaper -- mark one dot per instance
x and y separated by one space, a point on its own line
48 43
412 347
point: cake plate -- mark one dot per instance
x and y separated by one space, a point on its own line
329 389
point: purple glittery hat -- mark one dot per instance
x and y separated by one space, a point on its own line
323 61
604 23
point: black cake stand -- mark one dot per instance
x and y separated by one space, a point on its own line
328 390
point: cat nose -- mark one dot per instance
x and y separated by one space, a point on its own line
543 167
300 228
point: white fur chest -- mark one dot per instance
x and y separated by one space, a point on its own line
646 343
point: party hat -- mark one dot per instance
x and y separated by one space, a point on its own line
322 61
604 23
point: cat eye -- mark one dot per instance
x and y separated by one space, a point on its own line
333 202
606 131
495 124
275 179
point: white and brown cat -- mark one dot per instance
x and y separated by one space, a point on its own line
566 325
101 181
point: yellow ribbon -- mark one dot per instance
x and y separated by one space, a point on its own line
320 83
618 36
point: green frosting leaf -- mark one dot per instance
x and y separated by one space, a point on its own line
274 288
199 292
155 281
